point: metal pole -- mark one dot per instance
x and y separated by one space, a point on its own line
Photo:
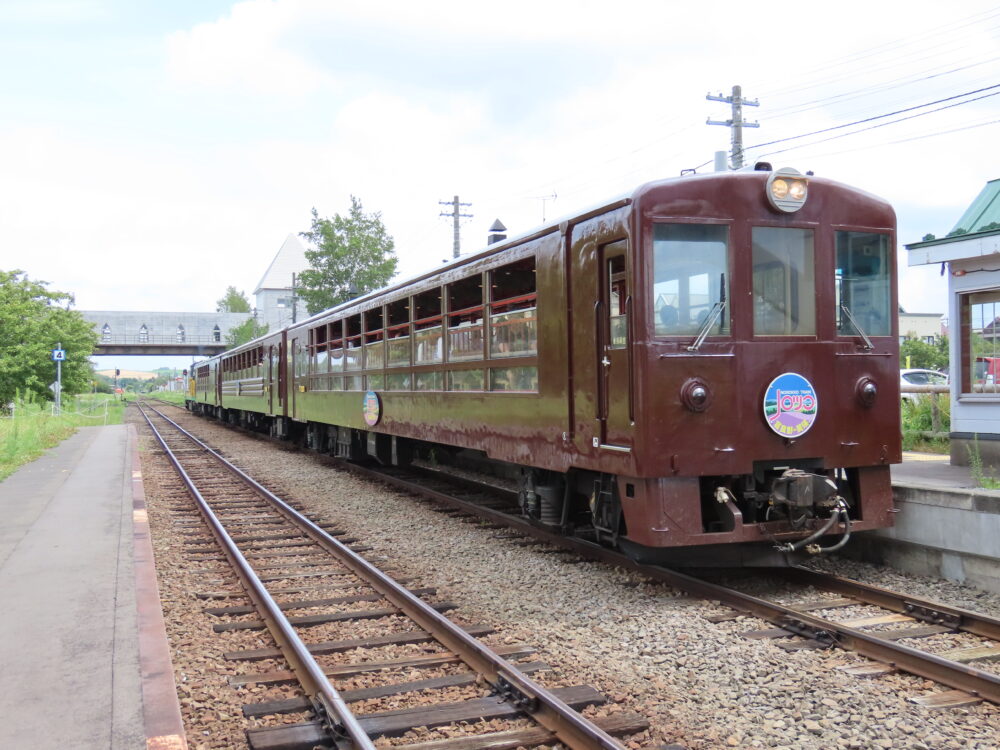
736 123
59 382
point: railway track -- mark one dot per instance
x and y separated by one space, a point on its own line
287 563
877 635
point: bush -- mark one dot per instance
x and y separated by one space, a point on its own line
919 423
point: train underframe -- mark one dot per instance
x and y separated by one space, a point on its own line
778 515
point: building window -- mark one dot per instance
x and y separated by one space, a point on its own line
106 333
979 330
180 334
143 334
216 334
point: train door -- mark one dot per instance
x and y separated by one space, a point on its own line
614 369
294 363
282 365
271 372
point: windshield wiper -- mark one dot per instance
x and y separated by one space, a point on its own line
868 345
713 316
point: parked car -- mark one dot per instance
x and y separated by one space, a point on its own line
920 377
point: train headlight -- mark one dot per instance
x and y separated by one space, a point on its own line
867 392
787 190
695 395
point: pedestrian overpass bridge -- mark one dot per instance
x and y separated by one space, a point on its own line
162 333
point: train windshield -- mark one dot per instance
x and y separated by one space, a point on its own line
863 283
690 266
784 282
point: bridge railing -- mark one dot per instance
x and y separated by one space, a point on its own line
172 339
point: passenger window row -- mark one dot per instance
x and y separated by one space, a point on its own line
471 326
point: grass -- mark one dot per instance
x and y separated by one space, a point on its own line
33 428
919 420
976 465
174 397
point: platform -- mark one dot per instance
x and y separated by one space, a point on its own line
946 525
75 648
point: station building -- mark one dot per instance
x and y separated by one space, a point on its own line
971 255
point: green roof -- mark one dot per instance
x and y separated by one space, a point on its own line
985 210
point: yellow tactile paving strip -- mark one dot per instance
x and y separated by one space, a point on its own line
914 456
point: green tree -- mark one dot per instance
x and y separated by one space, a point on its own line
350 255
246 331
33 319
233 301
923 355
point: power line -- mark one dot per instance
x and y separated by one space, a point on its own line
888 114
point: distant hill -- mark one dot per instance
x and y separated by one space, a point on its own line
133 374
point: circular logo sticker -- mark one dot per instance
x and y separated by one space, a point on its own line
790 405
372 408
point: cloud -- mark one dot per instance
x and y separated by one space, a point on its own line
245 51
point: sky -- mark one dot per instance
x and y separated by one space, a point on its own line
155 153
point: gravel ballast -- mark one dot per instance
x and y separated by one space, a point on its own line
646 646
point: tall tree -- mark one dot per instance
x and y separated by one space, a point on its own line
349 255
246 331
233 301
923 355
33 320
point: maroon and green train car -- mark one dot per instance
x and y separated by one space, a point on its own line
708 365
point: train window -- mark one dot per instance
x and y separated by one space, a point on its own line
428 330
398 333
465 380
513 331
374 345
354 383
690 268
784 283
376 381
465 320
397 381
428 381
523 379
318 348
863 283
617 293
352 343
336 346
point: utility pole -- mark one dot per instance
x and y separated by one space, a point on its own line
544 199
456 214
736 123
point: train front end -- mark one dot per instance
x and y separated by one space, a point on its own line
765 367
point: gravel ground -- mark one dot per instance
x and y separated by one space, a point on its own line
647 647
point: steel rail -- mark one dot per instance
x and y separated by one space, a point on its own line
922 609
568 725
969 679
332 708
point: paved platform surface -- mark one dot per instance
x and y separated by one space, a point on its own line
70 674
933 470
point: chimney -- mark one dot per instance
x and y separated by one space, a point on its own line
496 233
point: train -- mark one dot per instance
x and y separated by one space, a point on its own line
701 372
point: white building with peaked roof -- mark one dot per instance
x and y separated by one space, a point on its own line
277 305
